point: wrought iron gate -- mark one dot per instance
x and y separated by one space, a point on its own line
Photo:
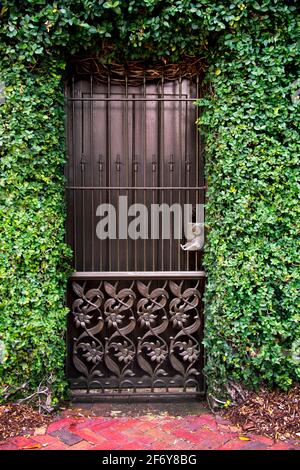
135 324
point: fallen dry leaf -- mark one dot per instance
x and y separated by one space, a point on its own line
274 413
18 419
33 446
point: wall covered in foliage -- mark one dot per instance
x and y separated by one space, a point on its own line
250 120
253 149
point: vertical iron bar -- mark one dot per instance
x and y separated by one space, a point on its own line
83 206
180 162
92 170
126 162
197 158
74 172
154 171
108 149
163 161
171 222
144 159
135 168
101 163
118 159
188 169
83 181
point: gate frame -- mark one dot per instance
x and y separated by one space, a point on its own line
88 395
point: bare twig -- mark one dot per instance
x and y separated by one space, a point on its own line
41 396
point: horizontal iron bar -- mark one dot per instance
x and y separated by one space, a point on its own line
133 99
135 188
120 396
95 275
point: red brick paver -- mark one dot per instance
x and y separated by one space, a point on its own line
205 431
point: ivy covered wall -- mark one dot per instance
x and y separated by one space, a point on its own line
252 168
250 121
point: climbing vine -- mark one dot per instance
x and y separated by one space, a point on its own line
250 122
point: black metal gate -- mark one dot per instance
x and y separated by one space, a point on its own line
135 324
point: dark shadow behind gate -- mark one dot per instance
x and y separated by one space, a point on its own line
136 322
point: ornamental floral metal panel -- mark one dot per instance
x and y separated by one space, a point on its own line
136 335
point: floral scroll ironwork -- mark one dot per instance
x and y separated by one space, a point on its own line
132 335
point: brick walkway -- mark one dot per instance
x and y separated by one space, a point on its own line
76 429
